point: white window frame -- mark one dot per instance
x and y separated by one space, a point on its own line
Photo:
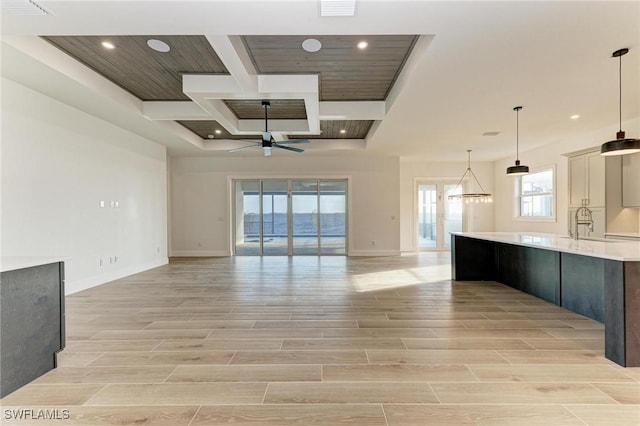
517 197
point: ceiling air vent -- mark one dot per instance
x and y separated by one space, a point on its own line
337 7
22 7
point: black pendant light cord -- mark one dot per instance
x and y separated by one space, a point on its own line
621 145
620 91
266 122
518 134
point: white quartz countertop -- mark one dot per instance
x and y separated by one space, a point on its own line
627 251
623 234
11 263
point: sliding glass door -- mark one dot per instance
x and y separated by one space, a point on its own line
275 220
333 218
304 206
290 217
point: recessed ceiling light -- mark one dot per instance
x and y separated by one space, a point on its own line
363 45
218 131
311 45
575 116
158 45
210 136
493 133
343 131
108 45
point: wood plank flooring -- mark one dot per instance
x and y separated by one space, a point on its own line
325 341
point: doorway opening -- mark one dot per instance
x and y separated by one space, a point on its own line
285 217
437 216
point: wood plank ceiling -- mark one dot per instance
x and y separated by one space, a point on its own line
143 72
346 73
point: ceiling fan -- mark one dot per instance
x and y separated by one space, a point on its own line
267 140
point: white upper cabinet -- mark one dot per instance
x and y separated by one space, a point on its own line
631 180
587 180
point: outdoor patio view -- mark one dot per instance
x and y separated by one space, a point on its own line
311 221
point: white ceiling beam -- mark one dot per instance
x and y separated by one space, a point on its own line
207 91
363 110
222 114
235 58
288 86
282 126
202 83
173 110
323 144
314 145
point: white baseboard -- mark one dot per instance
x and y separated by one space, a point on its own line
201 253
85 283
356 253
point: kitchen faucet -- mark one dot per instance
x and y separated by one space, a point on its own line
588 221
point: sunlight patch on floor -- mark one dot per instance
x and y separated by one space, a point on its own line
397 278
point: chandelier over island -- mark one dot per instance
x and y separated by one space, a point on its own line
471 197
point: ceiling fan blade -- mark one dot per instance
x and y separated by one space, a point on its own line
289 141
288 148
242 148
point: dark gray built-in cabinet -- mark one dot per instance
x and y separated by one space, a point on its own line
31 322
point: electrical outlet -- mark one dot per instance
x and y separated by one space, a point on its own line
101 262
373 243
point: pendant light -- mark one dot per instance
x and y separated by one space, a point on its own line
471 197
517 170
620 145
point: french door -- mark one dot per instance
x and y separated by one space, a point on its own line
437 216
290 217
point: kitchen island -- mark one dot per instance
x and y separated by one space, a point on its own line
31 318
597 279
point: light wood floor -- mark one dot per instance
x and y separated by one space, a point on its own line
327 341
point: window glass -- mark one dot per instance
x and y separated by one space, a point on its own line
535 194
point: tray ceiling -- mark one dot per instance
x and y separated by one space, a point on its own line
344 73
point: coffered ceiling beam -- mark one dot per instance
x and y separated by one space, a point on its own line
208 91
233 54
189 110
173 110
318 145
349 110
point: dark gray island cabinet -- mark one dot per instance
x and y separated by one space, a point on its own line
31 319
597 279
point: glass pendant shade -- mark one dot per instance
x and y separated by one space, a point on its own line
621 145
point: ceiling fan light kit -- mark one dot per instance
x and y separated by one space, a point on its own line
621 145
471 197
268 142
517 170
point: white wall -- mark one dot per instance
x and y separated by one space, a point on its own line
200 188
57 164
551 154
477 217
